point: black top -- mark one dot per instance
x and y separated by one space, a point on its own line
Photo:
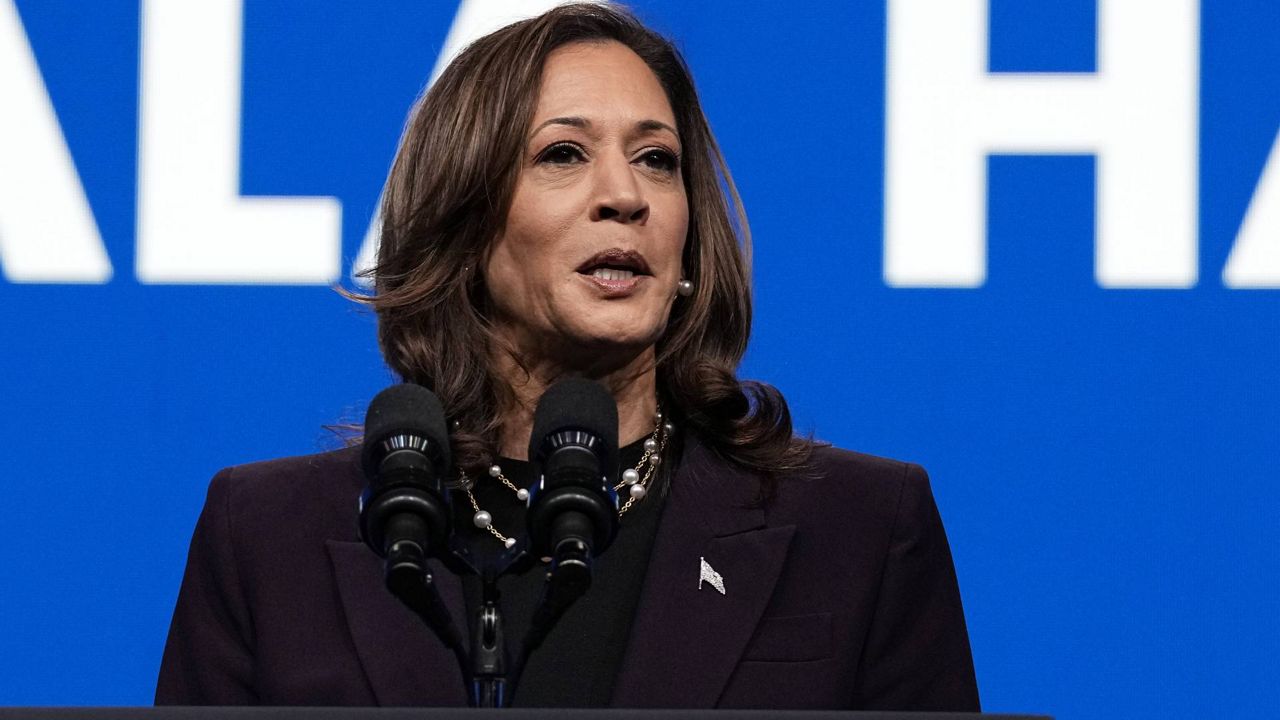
577 664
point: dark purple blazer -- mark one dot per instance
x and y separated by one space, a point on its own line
840 593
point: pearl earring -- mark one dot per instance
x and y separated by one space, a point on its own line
684 288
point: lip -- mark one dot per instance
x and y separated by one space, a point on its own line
616 258
615 288
619 259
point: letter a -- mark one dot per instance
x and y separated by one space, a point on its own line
47 231
1255 259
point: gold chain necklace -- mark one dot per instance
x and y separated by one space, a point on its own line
634 478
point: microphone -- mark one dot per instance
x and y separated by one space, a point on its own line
404 513
573 509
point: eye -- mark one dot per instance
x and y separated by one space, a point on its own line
660 159
563 153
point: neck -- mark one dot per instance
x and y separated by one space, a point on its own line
633 384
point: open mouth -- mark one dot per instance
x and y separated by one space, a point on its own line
615 265
606 273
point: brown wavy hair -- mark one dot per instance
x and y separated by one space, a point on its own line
447 199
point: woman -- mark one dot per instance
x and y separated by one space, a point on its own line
558 207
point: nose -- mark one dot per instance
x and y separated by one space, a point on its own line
618 193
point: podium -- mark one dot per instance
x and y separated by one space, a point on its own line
329 713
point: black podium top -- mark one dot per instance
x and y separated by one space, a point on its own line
304 713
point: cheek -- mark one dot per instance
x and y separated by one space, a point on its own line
500 272
509 259
536 223
677 233
522 267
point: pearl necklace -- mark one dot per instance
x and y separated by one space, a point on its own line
653 447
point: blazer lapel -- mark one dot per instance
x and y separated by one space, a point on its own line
402 658
685 641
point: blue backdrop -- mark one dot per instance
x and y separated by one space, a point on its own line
1105 458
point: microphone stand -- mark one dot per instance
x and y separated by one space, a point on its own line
491 676
568 579
408 578
484 667
489 687
487 669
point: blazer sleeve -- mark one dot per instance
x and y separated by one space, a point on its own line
917 654
208 657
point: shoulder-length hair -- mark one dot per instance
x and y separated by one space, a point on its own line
447 198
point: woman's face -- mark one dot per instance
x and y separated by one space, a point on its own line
590 255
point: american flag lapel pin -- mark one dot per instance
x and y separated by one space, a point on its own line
708 575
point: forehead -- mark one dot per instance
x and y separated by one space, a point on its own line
600 80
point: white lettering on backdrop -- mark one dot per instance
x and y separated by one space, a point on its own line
946 113
193 224
1255 260
47 231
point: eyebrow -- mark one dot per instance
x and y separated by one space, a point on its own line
585 124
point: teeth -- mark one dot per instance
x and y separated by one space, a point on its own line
611 274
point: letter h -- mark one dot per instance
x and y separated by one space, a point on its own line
945 112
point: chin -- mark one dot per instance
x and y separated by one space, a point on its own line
608 337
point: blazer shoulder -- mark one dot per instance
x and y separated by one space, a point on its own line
847 489
297 468
839 469
305 486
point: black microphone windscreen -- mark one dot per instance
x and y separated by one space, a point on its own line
404 409
578 404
